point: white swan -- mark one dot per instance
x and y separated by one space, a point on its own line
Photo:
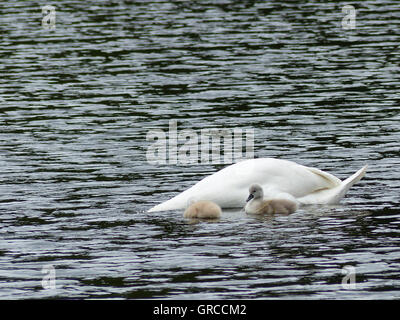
203 210
256 204
229 186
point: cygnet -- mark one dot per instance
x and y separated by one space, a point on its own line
257 205
203 210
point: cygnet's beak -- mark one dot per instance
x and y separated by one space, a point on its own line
251 196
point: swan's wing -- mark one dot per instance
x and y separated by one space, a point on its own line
290 177
335 194
325 179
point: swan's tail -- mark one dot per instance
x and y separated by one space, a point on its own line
334 195
350 181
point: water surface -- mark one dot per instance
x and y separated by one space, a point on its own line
77 103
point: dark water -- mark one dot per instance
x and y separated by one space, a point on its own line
77 103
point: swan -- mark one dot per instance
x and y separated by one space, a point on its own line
203 210
229 187
257 205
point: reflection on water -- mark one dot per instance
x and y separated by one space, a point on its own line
77 102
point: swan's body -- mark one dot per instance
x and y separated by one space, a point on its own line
229 187
203 210
256 204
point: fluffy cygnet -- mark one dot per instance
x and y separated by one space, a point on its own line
257 205
203 210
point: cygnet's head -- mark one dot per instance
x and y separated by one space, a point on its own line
255 192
